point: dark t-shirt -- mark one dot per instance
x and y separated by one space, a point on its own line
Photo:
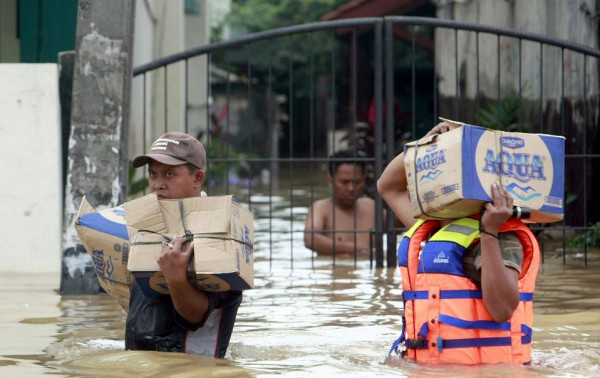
512 254
153 324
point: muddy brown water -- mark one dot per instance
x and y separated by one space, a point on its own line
303 322
305 318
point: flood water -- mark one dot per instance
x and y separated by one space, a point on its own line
304 318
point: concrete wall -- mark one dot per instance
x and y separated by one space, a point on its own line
31 187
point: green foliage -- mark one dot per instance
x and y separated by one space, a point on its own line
590 238
135 186
279 60
503 114
224 160
259 15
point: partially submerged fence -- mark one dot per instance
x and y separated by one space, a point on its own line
271 106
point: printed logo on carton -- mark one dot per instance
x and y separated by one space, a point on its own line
431 160
524 165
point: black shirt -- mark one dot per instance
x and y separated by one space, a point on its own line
154 324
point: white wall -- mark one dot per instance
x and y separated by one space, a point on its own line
30 156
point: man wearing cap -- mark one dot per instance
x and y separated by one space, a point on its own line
189 320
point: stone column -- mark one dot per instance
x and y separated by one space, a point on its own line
97 154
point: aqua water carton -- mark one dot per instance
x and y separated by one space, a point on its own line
451 175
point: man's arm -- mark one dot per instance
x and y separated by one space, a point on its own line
318 239
499 283
392 184
191 303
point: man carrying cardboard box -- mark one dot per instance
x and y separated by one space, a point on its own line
188 320
467 283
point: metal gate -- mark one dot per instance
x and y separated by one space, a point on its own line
271 106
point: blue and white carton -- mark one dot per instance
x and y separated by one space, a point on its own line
450 175
103 234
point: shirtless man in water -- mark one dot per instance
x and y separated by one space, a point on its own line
331 222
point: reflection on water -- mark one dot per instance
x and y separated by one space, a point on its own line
305 318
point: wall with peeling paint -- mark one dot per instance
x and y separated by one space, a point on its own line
30 155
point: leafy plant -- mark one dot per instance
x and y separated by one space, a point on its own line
503 114
225 160
135 186
590 238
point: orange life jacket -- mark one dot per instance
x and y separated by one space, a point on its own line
445 320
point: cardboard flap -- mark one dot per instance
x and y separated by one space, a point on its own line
202 215
432 138
453 124
144 214
423 141
148 248
84 208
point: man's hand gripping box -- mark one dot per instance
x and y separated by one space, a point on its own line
451 175
223 237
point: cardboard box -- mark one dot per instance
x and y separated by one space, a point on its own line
104 236
223 237
450 175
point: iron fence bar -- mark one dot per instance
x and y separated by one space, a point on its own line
435 94
354 69
584 151
541 87
352 131
562 128
208 110
291 147
520 75
227 122
144 120
250 166
271 119
378 84
541 126
389 126
312 142
413 83
166 103
333 115
498 81
186 98
456 77
477 78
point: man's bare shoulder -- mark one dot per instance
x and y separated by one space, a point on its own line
366 202
322 203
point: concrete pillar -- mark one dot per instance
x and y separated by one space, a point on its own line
97 158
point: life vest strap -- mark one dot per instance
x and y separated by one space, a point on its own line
416 344
527 332
474 324
526 297
400 339
421 341
476 343
455 294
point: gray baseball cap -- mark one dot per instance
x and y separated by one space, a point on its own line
174 148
